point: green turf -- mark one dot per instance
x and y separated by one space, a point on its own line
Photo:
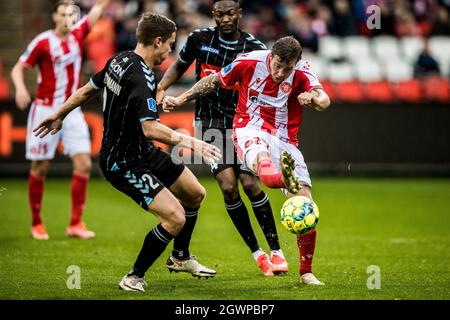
400 225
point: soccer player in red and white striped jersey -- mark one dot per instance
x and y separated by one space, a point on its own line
274 85
57 53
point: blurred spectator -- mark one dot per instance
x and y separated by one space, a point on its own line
442 24
343 23
100 44
126 34
426 65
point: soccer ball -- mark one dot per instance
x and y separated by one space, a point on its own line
299 215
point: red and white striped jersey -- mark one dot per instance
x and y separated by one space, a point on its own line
264 104
59 62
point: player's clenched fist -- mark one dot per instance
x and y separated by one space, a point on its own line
305 99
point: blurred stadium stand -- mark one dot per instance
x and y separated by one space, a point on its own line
358 67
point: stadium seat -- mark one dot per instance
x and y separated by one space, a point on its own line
349 91
436 89
439 46
379 91
410 90
330 48
356 48
318 65
386 48
368 70
339 72
411 48
398 70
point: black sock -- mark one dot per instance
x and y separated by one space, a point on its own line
154 245
183 239
239 215
264 215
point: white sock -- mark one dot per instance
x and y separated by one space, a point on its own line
278 252
257 254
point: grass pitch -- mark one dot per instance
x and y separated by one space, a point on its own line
401 226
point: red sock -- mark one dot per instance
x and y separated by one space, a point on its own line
306 245
269 174
35 193
79 190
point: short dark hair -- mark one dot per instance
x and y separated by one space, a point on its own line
153 25
287 48
214 1
62 3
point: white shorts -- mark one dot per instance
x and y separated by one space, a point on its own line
74 134
250 142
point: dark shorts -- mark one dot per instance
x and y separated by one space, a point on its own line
222 138
146 179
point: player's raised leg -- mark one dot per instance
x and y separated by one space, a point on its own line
191 194
171 215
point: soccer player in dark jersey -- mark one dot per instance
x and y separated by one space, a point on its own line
130 161
214 48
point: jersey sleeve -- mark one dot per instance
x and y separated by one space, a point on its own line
144 93
307 79
189 51
97 80
232 73
81 29
33 53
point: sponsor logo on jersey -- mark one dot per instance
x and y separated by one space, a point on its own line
151 103
116 68
112 85
286 87
209 49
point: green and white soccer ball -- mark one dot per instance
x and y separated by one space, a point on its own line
299 215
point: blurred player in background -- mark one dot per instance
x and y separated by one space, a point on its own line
275 85
130 161
212 49
58 55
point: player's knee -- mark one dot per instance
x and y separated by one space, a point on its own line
230 190
40 168
251 187
83 165
198 196
175 221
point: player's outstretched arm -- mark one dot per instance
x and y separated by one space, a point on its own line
97 11
200 89
157 131
54 122
175 71
22 96
317 99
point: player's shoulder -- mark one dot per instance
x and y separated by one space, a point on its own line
253 41
256 55
41 38
202 33
303 66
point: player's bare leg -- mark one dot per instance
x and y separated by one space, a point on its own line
82 165
170 213
306 245
191 194
36 181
